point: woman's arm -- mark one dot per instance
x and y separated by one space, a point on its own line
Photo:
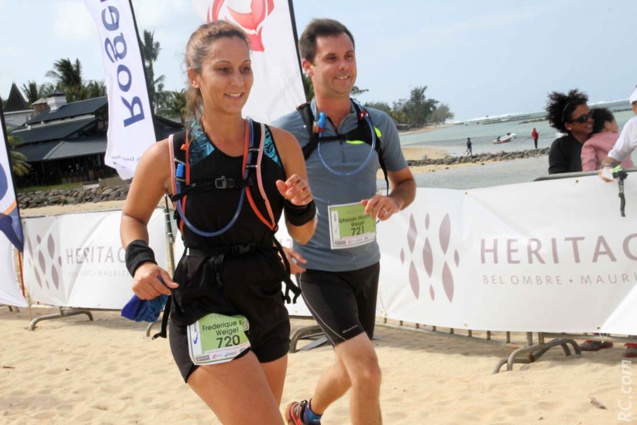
295 189
149 184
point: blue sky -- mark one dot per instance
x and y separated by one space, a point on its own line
481 57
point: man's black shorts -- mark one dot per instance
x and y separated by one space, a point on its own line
342 303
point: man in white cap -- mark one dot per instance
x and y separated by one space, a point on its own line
624 146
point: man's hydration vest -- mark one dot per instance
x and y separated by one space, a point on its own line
362 133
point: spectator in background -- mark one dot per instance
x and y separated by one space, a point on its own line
469 146
568 113
604 136
535 136
621 151
624 146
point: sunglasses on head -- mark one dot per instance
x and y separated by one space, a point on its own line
582 118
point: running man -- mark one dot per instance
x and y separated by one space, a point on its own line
340 279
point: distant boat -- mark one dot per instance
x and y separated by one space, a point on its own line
505 139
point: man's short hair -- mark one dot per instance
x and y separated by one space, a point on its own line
320 28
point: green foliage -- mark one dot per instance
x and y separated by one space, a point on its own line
175 105
94 89
32 91
417 108
381 106
68 78
150 53
441 114
19 165
67 75
416 111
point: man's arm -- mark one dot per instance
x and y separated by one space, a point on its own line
403 187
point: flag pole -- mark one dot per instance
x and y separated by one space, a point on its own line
141 54
296 36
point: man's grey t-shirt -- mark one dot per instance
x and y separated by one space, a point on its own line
332 189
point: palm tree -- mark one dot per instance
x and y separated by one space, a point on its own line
19 164
176 105
33 92
150 52
94 89
68 77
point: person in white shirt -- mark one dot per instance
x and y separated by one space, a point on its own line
624 146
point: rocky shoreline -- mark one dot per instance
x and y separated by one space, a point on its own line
80 195
479 158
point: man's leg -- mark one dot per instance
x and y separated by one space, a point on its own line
356 367
344 305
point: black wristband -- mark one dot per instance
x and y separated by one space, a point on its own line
299 215
137 253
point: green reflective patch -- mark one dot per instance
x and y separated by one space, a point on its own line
354 142
378 133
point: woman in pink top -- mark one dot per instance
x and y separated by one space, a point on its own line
604 136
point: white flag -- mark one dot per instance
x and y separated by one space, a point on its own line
278 86
130 126
10 228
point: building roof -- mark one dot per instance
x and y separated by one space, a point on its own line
76 129
15 101
51 151
52 131
78 147
70 110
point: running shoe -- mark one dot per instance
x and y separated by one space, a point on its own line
294 412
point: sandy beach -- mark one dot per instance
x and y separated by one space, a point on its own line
75 371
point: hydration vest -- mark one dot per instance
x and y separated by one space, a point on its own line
253 154
182 187
362 133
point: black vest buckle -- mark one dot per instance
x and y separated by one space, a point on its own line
221 183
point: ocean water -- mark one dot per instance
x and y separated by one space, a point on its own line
453 139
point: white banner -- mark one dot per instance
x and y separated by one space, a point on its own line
553 256
10 293
76 260
130 126
278 87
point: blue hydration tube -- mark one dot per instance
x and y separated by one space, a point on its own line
321 125
180 175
